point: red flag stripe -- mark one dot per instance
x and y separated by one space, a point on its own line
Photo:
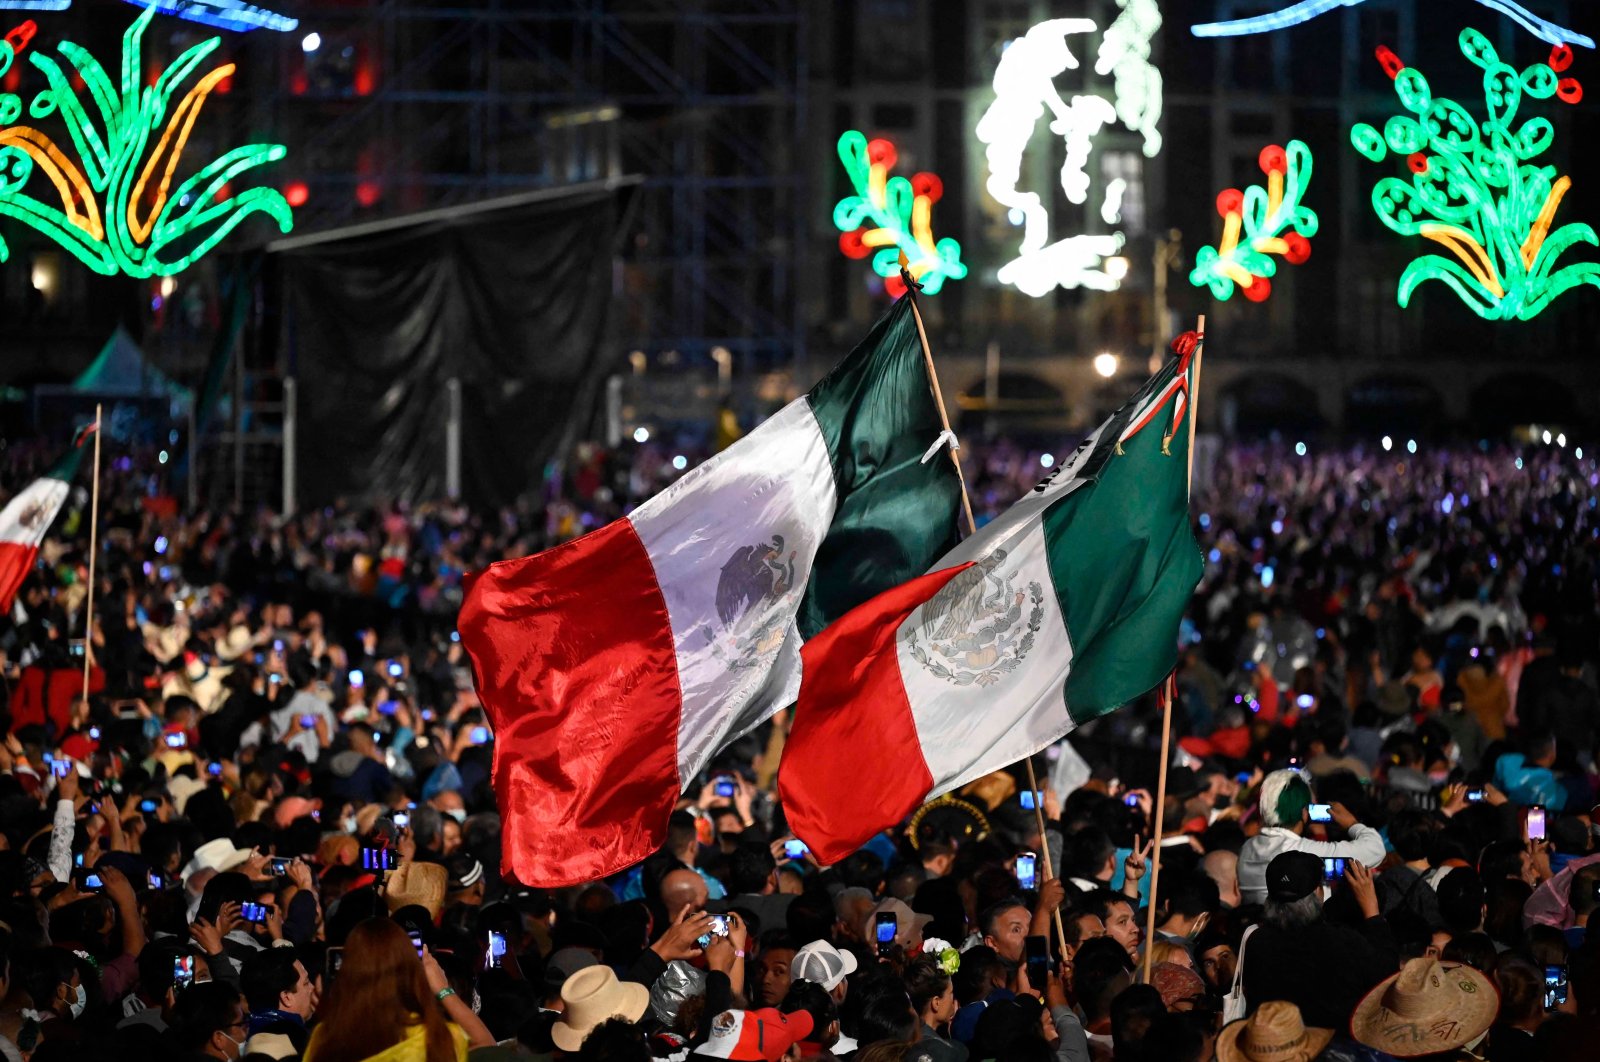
575 664
854 722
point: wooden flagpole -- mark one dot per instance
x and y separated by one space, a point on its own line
1169 688
94 550
972 527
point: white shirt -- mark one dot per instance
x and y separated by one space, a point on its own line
1364 844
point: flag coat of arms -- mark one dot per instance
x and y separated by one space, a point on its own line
615 666
24 521
1060 610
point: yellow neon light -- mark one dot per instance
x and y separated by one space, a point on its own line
1541 227
68 179
1461 243
186 114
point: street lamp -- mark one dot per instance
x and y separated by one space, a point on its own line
1106 365
1117 268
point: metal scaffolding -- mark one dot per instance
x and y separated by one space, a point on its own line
407 106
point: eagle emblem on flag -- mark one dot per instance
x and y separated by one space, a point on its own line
972 632
757 579
33 516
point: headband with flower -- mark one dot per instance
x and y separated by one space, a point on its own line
949 958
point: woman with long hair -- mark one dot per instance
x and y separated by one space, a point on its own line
387 1005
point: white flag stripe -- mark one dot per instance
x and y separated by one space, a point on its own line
28 516
755 515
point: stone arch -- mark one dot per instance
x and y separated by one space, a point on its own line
1395 403
1262 401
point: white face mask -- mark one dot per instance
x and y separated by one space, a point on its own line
459 814
80 1000
238 1045
349 824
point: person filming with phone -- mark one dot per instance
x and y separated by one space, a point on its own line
1287 810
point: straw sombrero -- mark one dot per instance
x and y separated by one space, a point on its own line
1428 1007
1274 1033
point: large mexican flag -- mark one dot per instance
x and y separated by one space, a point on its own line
1062 609
615 666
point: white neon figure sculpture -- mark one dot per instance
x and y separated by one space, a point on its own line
1295 14
1125 54
1111 209
1024 91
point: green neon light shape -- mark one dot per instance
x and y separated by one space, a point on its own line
1259 223
112 205
1475 190
890 216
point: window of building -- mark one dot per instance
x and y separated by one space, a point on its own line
1127 167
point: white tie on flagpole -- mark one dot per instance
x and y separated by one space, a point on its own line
946 437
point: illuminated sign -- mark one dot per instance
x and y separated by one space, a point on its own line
1024 85
223 14
890 216
1259 223
111 202
1295 14
1474 188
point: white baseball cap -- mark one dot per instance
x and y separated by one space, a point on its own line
823 964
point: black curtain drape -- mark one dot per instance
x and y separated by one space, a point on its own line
511 302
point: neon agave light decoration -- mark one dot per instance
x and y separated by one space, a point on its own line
114 206
1474 188
887 217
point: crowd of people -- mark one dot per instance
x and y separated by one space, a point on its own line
270 832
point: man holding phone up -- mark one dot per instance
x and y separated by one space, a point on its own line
1286 811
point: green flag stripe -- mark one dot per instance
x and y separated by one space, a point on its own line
896 515
1123 559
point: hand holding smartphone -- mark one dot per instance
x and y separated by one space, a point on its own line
1037 953
1320 813
884 930
1535 822
1027 871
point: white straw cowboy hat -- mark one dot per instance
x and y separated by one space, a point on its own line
1428 1007
593 996
1274 1033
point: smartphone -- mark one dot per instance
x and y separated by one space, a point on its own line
377 859
1536 822
455 636
357 679
214 770
1132 800
253 912
1332 868
280 865
307 722
149 807
88 879
1037 952
61 768
1027 871
1475 796
1030 800
182 971
1555 986
394 669
1321 812
388 707
479 735
1305 700
724 786
331 964
402 819
719 928
94 733
495 958
179 740
77 859
155 880
1243 778
416 941
277 645
888 924
275 678
795 850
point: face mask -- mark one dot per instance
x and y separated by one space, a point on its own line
459 814
238 1045
348 824
80 1000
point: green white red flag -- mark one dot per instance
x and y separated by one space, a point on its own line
1060 610
615 666
26 518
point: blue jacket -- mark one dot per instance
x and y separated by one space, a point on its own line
1523 784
